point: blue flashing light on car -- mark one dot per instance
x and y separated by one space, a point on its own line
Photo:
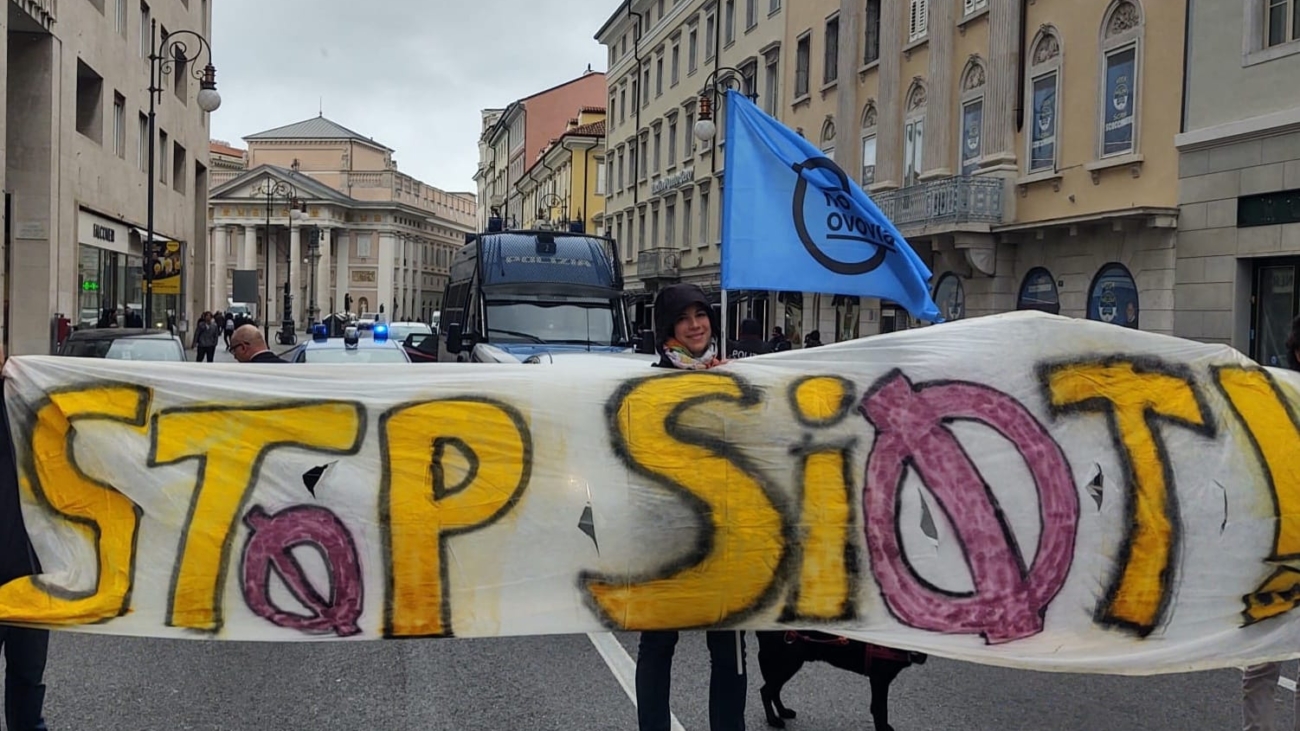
379 333
320 333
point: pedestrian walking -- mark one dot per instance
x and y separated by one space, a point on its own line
206 337
1259 682
687 339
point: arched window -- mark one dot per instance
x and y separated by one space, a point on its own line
828 138
971 139
950 295
1038 292
1121 47
1113 296
914 132
363 305
1042 100
869 144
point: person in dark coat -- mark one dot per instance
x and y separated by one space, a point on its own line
750 342
686 338
248 346
25 648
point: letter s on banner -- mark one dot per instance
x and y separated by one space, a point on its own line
741 549
102 516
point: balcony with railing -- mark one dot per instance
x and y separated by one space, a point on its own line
660 264
944 203
44 12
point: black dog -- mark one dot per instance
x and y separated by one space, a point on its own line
782 654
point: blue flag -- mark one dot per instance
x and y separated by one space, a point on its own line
793 221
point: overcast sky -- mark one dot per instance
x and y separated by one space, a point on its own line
412 74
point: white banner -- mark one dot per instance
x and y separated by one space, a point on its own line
1021 490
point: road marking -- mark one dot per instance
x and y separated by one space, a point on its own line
1287 683
622 666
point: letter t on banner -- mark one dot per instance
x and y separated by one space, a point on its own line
792 220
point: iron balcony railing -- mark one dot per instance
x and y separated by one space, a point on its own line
945 201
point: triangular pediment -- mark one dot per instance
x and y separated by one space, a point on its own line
252 186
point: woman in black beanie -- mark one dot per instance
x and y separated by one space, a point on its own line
687 338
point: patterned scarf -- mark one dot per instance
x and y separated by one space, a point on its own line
682 359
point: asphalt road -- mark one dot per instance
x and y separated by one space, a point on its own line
561 683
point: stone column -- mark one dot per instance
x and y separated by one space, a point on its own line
936 160
417 279
295 272
387 268
219 290
848 143
323 298
248 252
1005 87
343 257
889 137
275 310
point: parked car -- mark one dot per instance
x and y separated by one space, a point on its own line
117 343
351 348
419 340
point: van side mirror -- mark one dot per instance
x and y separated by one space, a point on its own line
455 338
645 342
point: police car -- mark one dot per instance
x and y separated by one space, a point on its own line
351 348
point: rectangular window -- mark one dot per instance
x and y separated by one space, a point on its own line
1042 150
972 126
729 23
970 7
659 76
142 144
677 64
670 225
119 125
773 6
686 223
363 245
90 103
1283 22
913 147
749 73
831 68
871 40
643 166
640 231
802 58
672 142
636 93
146 33
632 169
704 218
1120 102
772 83
1268 209
603 176
751 14
622 104
645 87
689 148
658 149
710 31
178 168
121 17
692 50
918 19
868 160
619 179
655 241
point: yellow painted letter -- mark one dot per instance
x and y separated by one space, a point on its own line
102 516
487 442
231 444
742 548
1134 399
1275 434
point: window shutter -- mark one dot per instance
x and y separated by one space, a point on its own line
923 17
969 7
911 25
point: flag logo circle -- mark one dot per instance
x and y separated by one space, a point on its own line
840 223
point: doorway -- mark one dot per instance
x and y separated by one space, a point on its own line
1274 304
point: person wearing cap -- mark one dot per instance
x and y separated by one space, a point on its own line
685 336
750 342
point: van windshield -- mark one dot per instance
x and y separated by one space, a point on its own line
575 323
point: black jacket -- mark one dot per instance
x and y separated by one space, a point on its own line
745 347
267 356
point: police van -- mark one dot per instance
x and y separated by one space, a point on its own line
530 292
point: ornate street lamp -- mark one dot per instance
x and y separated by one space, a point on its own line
715 87
275 190
174 54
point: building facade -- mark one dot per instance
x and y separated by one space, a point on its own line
385 238
1022 148
484 177
519 133
565 187
1239 237
74 165
664 203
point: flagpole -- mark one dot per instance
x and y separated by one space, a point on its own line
722 339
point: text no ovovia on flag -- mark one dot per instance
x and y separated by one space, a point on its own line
792 220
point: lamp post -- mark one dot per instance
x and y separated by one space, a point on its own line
174 54
716 85
313 260
550 202
273 190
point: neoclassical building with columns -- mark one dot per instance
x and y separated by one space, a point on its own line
386 239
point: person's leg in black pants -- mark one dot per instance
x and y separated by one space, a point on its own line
654 673
727 681
25 652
